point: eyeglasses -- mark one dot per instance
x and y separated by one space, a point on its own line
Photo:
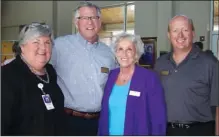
36 24
89 18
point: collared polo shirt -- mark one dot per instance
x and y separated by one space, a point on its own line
191 87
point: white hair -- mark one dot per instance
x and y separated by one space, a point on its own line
86 4
31 31
135 39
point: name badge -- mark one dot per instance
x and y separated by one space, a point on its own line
134 93
165 72
104 70
48 102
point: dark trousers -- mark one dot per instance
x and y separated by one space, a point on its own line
203 129
78 126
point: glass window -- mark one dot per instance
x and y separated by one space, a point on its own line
112 23
130 28
115 20
216 16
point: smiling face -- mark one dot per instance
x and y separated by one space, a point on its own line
37 51
126 53
180 33
89 23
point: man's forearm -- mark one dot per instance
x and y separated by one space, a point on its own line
217 122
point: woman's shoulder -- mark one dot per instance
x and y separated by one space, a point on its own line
9 69
113 72
144 71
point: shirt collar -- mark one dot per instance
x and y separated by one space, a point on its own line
86 43
193 53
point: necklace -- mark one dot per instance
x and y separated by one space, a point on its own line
124 79
35 72
47 77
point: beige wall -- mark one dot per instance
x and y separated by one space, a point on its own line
15 13
151 17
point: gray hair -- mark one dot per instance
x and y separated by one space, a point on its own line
86 4
135 39
32 31
180 15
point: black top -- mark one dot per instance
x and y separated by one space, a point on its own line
22 107
191 87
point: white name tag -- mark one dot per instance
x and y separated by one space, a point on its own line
134 93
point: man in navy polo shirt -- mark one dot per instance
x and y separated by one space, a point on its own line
190 80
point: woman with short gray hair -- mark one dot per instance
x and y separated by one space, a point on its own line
133 101
135 39
32 102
